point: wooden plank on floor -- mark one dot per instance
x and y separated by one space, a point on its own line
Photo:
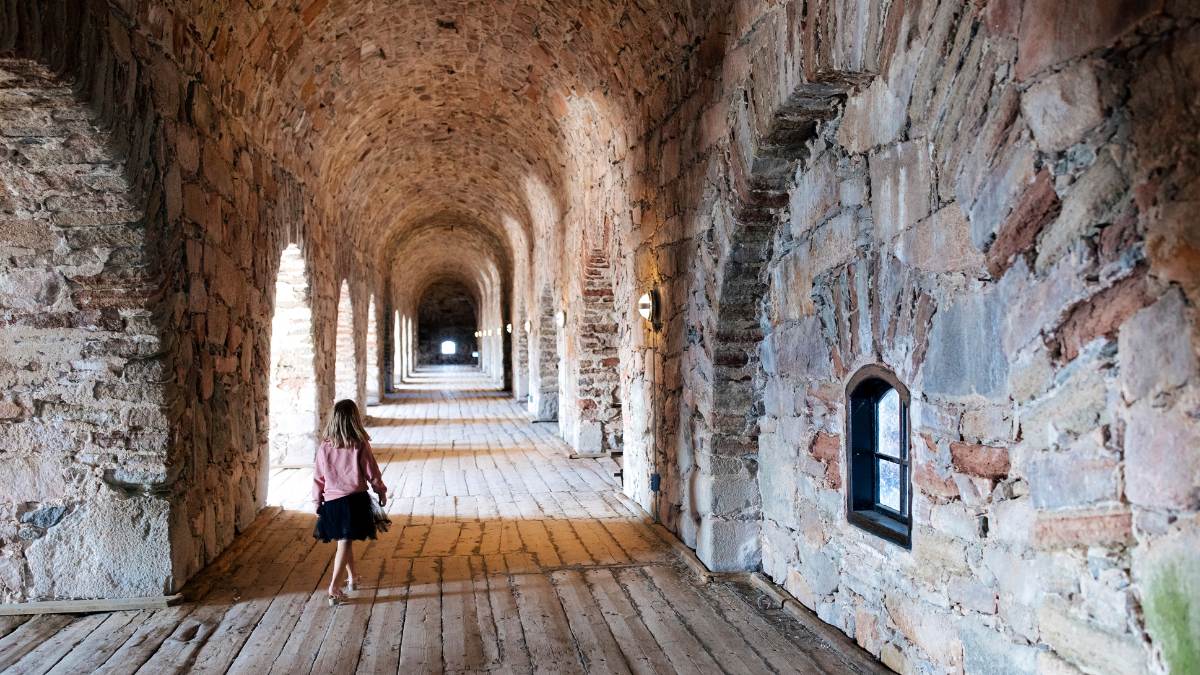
421 646
462 646
551 647
566 543
641 650
10 623
510 636
727 646
176 653
50 651
599 543
287 638
385 627
769 641
685 652
343 642
595 642
144 642
26 637
108 637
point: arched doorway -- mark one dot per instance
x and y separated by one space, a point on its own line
345 380
293 394
447 320
373 373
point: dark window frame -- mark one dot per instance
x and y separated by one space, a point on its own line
863 509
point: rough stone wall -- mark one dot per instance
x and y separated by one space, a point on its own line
590 408
82 416
220 211
996 216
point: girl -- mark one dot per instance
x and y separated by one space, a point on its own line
344 468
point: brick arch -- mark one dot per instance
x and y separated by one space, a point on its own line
292 406
82 422
728 502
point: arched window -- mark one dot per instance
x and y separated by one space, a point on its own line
878 496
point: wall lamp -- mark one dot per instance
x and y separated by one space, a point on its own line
560 319
508 328
478 334
528 326
648 307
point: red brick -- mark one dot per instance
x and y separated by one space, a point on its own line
984 461
1053 31
827 448
1018 233
1101 314
1087 528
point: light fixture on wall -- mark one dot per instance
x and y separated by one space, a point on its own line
528 326
478 334
647 306
560 319
508 328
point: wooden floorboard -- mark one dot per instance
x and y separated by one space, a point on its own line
504 556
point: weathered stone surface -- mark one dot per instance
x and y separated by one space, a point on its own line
988 653
1168 571
1157 438
111 547
1061 107
901 176
1089 202
1052 32
940 243
1154 350
1088 647
955 365
1100 315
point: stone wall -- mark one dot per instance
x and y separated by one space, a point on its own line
989 214
82 419
216 211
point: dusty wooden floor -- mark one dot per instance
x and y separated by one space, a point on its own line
505 556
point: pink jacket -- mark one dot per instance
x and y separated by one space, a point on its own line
343 471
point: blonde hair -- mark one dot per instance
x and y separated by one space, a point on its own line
345 427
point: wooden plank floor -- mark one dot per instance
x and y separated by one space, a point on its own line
505 556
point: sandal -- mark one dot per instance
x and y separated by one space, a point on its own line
335 600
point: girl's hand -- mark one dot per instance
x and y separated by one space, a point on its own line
383 500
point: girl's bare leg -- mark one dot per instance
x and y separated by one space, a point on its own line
350 575
339 564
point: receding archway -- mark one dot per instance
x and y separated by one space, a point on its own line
373 373
447 313
293 394
345 380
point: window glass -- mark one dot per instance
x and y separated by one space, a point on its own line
449 348
887 429
889 484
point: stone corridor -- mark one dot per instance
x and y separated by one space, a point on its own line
504 556
889 306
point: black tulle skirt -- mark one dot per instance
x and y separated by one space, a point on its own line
346 517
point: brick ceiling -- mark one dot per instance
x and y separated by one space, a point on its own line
434 114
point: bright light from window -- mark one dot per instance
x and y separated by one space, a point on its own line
449 348
474 355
